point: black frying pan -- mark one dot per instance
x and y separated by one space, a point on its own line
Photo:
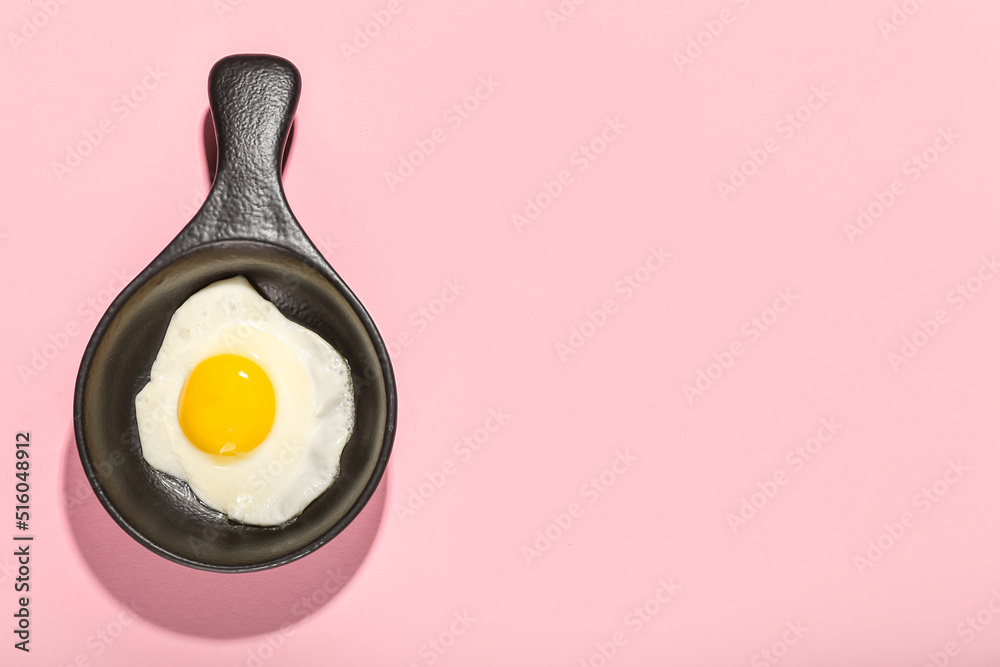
244 228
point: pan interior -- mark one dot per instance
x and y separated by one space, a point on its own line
137 496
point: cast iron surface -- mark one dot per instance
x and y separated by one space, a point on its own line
244 228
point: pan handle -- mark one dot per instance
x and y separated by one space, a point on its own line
253 100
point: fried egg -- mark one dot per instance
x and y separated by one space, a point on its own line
251 410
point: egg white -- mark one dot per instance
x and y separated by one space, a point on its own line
314 406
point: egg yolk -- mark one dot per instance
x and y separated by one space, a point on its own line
226 406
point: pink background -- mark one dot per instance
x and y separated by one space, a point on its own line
389 591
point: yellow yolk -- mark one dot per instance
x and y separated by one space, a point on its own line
226 406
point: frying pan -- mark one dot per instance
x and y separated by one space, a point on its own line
245 227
